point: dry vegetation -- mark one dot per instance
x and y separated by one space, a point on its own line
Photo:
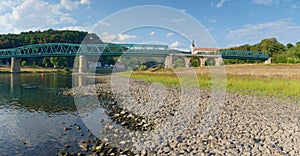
282 81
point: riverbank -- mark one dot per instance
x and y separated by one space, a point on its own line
188 123
280 81
33 70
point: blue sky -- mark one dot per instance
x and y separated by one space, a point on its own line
229 22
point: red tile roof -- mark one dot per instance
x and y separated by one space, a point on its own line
206 49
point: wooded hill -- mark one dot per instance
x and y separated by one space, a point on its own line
279 52
48 36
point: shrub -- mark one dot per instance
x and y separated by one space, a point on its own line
23 63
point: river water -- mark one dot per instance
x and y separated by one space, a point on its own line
34 113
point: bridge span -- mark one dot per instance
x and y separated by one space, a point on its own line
110 49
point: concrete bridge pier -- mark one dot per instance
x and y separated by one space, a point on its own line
219 61
268 61
83 64
187 61
202 62
15 65
169 61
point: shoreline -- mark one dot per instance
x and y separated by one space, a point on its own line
245 124
32 70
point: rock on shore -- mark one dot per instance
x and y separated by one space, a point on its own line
243 124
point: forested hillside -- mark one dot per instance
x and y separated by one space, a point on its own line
48 36
279 53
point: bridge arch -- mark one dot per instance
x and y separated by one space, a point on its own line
194 62
179 61
210 62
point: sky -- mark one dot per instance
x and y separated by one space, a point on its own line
210 23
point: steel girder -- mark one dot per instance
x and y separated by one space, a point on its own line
243 55
69 49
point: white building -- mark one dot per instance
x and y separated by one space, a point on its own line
203 50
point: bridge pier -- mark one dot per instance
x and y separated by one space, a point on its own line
15 65
187 61
169 61
219 61
83 64
269 61
202 61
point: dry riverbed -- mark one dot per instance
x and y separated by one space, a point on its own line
188 122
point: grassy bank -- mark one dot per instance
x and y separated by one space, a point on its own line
33 70
282 81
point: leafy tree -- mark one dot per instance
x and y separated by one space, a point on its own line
142 67
178 62
210 62
46 62
58 61
23 63
289 45
271 46
194 62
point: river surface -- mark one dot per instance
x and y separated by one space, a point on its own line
34 113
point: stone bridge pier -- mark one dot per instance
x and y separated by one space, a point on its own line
83 64
15 65
169 60
82 68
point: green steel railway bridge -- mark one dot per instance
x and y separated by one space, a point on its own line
111 49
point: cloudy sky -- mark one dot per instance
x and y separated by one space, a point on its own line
229 22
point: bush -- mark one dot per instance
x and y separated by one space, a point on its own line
142 67
66 69
178 63
293 60
23 63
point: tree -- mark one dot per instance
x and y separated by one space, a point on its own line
46 62
194 62
289 45
58 61
23 63
271 46
179 62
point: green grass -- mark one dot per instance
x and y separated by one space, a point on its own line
264 86
277 87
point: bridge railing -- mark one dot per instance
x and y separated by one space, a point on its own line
69 49
243 54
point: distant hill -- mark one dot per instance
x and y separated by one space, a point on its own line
48 36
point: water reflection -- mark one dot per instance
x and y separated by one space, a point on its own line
38 93
33 114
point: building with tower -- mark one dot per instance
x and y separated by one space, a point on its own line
195 50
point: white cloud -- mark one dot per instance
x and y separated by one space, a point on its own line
284 30
102 23
152 33
212 21
176 20
70 5
88 2
220 4
28 15
123 37
79 28
175 44
169 34
120 38
107 37
6 5
263 2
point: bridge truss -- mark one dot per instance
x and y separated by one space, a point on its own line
69 49
244 55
